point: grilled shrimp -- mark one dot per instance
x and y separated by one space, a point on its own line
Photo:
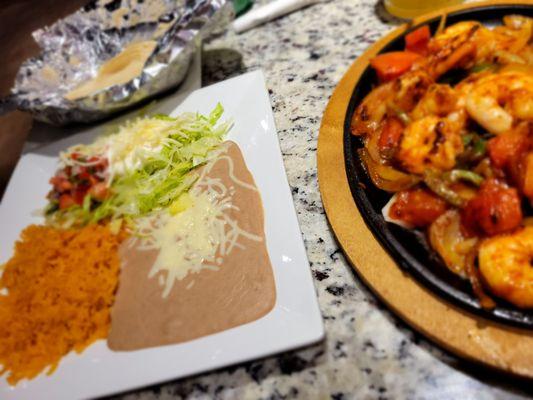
431 142
400 94
453 48
505 264
433 138
410 88
499 101
468 43
440 100
436 120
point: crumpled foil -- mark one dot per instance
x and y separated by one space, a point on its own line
75 47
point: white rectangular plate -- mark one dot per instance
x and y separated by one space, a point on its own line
295 320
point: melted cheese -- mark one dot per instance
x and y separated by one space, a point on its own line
198 237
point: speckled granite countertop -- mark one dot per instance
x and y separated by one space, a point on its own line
368 353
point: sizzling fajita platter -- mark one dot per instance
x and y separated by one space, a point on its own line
152 248
429 136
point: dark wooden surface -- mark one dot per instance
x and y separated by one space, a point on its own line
18 19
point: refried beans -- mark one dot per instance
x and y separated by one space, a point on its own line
242 290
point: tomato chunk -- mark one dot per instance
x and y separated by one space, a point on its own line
66 201
390 136
99 191
60 184
495 209
79 194
417 207
417 41
391 65
505 148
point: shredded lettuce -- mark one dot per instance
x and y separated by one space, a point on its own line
163 176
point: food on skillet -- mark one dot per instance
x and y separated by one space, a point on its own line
449 131
146 229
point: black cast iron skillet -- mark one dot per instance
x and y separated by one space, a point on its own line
409 248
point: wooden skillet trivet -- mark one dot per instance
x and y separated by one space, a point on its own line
462 333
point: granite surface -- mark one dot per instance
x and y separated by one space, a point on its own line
368 353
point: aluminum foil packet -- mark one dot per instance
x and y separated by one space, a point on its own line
77 49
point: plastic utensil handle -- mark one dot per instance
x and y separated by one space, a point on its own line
269 12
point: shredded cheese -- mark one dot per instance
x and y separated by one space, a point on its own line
127 149
198 237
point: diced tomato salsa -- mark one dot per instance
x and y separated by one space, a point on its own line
73 183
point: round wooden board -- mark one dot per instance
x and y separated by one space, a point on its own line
460 332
